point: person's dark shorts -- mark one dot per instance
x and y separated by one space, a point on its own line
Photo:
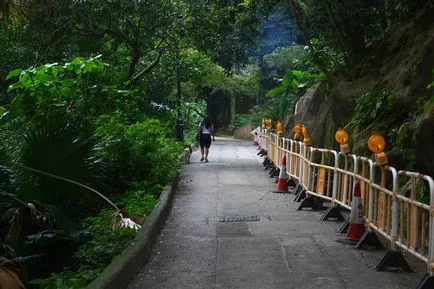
205 140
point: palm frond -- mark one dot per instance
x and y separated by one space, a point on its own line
61 151
58 171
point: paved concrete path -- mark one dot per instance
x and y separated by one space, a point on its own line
286 248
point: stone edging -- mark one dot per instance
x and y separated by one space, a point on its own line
128 263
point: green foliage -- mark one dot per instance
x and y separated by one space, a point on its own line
134 150
250 80
292 86
422 192
92 257
107 243
67 280
426 105
90 122
141 201
58 122
332 58
378 111
370 105
286 75
343 32
283 58
95 255
406 135
293 80
254 116
193 113
68 92
224 30
51 90
66 152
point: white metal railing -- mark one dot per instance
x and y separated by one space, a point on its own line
390 198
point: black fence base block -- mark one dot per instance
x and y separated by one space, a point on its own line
296 189
270 165
344 227
427 282
369 240
262 152
275 171
301 195
266 162
311 202
333 212
393 261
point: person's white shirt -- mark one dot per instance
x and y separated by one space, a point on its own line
205 130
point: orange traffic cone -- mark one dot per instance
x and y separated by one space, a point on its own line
356 226
282 181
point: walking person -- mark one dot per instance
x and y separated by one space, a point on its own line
205 131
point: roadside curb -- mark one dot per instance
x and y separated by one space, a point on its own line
128 263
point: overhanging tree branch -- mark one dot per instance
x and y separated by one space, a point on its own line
148 68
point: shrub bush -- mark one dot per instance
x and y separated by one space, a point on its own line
139 151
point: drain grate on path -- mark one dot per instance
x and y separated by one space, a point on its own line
239 218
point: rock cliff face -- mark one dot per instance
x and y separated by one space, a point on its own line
402 65
313 110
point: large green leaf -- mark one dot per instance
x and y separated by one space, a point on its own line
13 73
276 91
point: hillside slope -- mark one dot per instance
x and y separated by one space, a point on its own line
391 98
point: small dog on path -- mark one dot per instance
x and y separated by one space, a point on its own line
186 154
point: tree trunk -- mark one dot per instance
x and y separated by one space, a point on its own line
134 60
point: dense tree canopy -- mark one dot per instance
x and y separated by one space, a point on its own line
90 92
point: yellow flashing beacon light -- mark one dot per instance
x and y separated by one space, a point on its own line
341 136
377 144
279 128
298 130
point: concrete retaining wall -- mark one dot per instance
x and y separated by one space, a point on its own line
127 264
